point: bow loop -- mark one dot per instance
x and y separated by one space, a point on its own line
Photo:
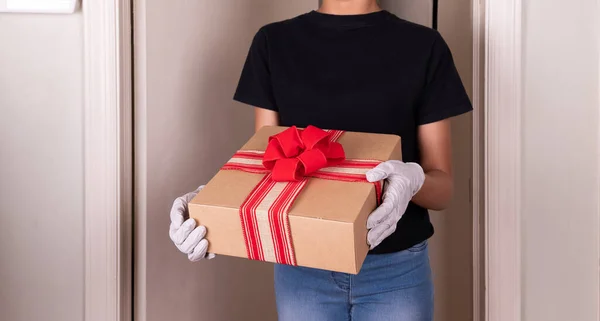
294 153
289 141
312 161
313 137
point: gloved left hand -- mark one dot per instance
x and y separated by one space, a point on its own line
187 236
403 181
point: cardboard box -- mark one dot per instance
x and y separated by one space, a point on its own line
327 219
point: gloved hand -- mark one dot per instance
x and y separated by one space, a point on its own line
403 181
183 231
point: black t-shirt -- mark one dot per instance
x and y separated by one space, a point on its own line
367 73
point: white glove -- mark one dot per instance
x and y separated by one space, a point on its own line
403 181
183 231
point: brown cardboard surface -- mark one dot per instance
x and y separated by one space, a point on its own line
327 220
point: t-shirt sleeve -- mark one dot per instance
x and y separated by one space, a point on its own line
255 86
444 95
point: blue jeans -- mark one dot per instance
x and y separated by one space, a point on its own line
394 287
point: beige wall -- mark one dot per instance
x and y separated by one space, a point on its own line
454 227
189 58
417 11
561 164
41 167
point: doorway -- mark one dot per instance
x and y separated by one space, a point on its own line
188 56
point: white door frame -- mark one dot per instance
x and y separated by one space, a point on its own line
108 160
502 157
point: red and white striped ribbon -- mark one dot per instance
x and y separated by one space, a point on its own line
264 213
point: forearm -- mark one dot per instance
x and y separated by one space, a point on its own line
436 192
265 117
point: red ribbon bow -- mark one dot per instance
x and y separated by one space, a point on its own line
295 153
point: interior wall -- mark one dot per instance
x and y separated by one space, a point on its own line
189 55
41 167
417 11
454 241
451 248
560 161
455 225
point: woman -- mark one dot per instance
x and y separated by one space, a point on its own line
352 66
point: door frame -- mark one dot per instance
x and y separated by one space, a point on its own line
108 131
498 124
108 160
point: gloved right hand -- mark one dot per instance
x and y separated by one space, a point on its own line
183 231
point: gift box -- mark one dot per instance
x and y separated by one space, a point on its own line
296 196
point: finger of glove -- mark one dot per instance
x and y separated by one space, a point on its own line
172 231
178 211
199 189
184 231
392 198
199 251
379 233
393 192
210 256
397 191
380 172
394 216
388 221
193 239
189 196
381 212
